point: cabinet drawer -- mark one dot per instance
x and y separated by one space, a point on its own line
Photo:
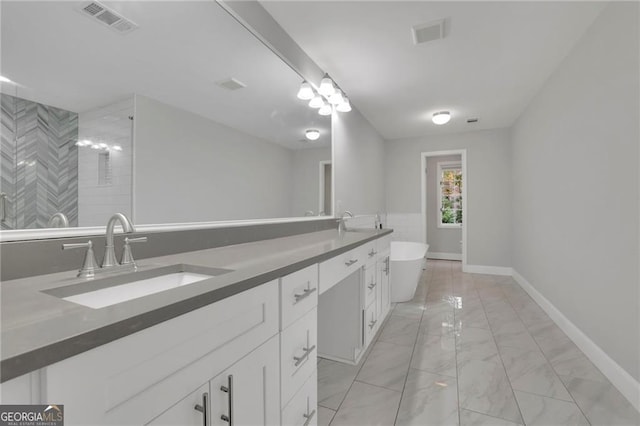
370 323
370 284
303 407
184 412
298 294
369 251
298 354
334 270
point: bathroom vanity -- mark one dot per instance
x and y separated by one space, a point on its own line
237 348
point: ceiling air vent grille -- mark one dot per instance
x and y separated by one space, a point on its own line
430 31
231 84
108 17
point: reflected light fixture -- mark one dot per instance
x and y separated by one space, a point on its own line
344 106
306 91
116 148
312 134
325 109
441 117
326 86
316 102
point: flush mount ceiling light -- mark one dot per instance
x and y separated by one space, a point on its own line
441 117
312 134
344 106
325 109
306 91
316 102
326 86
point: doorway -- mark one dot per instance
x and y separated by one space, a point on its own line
325 207
445 204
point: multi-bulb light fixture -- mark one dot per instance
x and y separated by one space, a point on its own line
98 146
327 97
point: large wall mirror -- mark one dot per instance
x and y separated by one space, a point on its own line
168 111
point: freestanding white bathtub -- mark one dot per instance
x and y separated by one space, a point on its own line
406 262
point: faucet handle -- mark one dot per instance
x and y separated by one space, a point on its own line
127 255
89 264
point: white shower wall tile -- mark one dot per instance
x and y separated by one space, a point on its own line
406 226
111 125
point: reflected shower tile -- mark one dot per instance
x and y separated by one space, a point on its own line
601 402
514 334
483 386
475 343
400 331
409 310
439 323
386 366
428 399
367 405
471 418
542 411
334 380
438 307
436 354
529 371
325 415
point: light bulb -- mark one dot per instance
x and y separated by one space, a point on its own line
116 148
441 117
325 109
344 106
312 134
316 102
305 92
336 98
326 86
4 79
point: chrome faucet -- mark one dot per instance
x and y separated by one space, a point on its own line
109 252
58 220
342 226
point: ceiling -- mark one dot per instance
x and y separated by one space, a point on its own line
494 58
61 58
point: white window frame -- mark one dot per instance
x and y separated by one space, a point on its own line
442 166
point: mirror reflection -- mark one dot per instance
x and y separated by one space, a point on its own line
170 112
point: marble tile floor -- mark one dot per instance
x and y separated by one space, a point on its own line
469 349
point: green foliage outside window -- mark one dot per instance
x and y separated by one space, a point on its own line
451 189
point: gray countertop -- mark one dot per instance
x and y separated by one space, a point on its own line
38 329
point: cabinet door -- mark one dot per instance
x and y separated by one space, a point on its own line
248 392
385 288
185 413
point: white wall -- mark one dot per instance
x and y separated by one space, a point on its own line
306 179
440 240
111 125
359 164
575 187
488 190
192 169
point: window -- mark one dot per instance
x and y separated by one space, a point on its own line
450 195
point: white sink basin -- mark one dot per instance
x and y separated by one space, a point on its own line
113 290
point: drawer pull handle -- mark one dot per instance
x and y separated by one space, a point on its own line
351 262
299 359
228 389
305 293
372 323
372 253
372 286
308 417
204 408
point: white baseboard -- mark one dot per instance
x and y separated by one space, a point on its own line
489 270
444 256
623 381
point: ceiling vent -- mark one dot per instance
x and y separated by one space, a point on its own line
430 31
231 84
106 16
472 120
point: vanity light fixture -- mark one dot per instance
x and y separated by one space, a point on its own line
316 101
344 106
327 87
306 91
441 117
83 142
336 98
312 134
325 109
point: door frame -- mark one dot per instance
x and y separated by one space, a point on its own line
465 199
321 206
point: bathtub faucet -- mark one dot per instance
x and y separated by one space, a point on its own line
342 225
